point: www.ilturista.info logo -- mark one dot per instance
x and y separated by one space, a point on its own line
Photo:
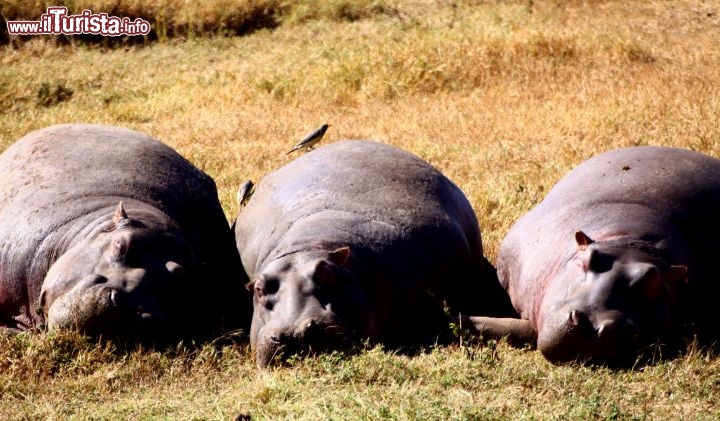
56 21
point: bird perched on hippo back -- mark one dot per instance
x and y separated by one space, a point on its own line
619 256
311 139
110 232
359 240
245 192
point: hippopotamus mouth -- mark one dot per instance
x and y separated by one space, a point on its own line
133 319
309 339
612 343
103 311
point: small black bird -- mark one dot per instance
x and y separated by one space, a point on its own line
244 192
312 138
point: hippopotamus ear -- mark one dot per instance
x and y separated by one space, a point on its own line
120 214
652 281
324 273
583 241
250 286
340 256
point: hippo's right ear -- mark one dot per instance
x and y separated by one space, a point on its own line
324 273
583 241
340 256
120 214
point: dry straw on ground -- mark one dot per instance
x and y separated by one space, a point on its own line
503 97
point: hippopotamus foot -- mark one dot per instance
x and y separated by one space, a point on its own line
518 332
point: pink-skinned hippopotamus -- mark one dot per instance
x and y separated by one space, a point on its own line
355 241
109 232
618 258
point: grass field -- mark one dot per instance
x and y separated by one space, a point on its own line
504 97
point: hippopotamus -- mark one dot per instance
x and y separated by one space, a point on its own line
111 233
618 258
359 241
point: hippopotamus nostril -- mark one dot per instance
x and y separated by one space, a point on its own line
275 339
98 279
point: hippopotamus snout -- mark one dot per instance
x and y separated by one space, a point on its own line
133 306
112 304
311 335
608 336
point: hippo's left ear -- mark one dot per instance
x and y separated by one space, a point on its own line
340 256
583 241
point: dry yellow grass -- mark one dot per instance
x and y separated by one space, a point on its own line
503 97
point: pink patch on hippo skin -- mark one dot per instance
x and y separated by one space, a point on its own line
539 296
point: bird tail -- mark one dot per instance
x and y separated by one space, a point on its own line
292 150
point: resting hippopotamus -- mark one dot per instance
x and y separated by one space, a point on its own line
359 240
620 255
110 232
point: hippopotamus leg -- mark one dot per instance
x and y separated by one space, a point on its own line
517 332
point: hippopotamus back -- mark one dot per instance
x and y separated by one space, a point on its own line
59 190
403 238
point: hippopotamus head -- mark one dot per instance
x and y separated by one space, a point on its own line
124 281
307 301
621 298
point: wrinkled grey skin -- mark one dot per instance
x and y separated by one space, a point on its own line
359 240
620 255
160 265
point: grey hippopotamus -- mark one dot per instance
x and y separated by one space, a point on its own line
356 241
620 255
110 232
